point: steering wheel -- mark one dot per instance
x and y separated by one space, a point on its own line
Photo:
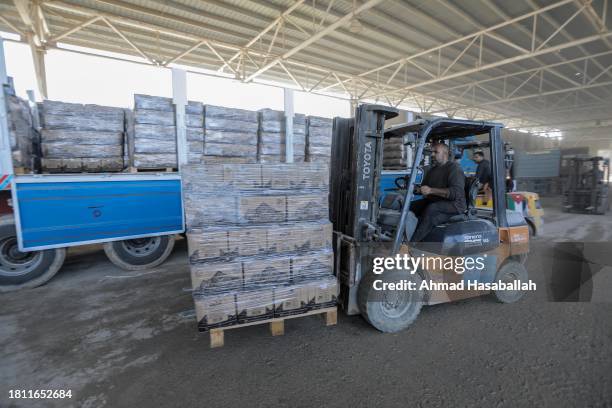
401 182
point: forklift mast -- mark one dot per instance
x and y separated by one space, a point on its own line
356 169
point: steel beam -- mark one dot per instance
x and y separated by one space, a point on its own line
270 26
330 28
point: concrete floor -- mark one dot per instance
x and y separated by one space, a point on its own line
119 339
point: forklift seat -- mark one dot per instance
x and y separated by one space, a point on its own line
471 191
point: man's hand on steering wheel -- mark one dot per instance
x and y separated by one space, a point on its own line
425 190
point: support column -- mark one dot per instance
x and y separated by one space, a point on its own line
354 105
38 57
179 98
288 93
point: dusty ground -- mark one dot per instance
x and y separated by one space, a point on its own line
120 340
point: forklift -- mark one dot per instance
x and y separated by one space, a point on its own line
587 186
366 228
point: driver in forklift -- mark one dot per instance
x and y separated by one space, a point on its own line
443 188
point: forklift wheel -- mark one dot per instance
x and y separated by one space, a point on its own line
23 270
522 258
141 253
390 311
510 271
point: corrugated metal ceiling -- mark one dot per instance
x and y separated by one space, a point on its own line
402 53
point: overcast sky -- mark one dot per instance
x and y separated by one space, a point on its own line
80 78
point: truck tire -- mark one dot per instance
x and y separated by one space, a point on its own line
23 270
140 253
511 270
393 310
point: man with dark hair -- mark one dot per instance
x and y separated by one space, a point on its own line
443 188
483 171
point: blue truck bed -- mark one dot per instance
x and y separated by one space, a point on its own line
58 211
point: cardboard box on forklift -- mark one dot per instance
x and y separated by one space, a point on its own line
313 265
255 304
218 276
215 310
261 208
206 243
307 207
210 243
288 299
326 291
209 210
297 176
266 271
246 241
300 237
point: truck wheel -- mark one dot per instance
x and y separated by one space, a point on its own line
390 311
22 270
510 271
140 253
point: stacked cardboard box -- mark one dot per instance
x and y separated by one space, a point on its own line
394 153
77 137
230 135
259 241
272 137
154 134
318 138
22 135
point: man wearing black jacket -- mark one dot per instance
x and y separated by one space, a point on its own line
483 171
443 188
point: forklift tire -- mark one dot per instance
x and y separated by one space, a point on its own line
522 258
390 311
140 253
510 271
24 270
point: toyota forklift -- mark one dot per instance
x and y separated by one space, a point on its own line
366 228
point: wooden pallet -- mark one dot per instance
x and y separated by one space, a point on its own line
277 325
157 170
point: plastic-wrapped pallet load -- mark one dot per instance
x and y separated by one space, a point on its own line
272 137
260 242
230 135
154 134
22 135
76 138
394 153
318 138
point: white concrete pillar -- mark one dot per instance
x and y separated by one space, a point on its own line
288 96
179 98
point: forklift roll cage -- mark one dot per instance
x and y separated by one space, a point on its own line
441 129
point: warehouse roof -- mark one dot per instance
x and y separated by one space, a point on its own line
533 64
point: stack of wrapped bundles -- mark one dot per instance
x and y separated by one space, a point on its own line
394 153
318 138
22 135
260 242
230 135
154 136
76 138
272 137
